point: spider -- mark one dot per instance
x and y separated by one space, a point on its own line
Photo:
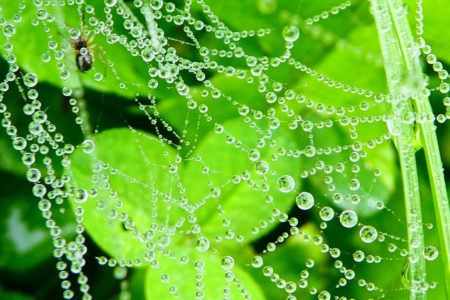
84 53
84 56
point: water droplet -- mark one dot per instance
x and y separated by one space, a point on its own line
324 295
358 256
286 183
304 200
147 54
39 190
202 244
9 30
30 79
19 143
262 167
430 253
98 76
348 218
368 234
326 213
254 154
290 33
33 175
80 196
257 261
74 33
88 146
227 263
110 3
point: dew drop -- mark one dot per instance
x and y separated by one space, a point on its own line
19 143
257 261
9 30
202 244
88 146
286 183
110 3
39 190
430 253
358 256
227 263
80 196
33 175
262 167
290 33
324 295
304 200
30 80
368 234
98 76
326 213
348 218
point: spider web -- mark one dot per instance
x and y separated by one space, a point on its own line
218 160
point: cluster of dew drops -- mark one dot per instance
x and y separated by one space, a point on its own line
151 45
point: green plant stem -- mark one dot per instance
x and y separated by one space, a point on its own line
397 61
425 123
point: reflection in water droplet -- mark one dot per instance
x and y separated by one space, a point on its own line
290 33
368 234
348 218
304 200
202 244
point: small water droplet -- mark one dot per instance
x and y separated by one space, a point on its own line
290 33
368 234
286 183
202 244
304 200
348 218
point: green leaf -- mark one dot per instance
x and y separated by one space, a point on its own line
192 125
346 65
369 165
138 172
13 295
24 239
183 276
10 159
298 249
241 204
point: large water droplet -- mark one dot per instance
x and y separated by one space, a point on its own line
290 33
257 261
304 200
227 263
430 253
33 175
368 234
348 218
286 183
30 79
110 3
326 213
202 244
88 146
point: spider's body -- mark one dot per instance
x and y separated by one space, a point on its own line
84 57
